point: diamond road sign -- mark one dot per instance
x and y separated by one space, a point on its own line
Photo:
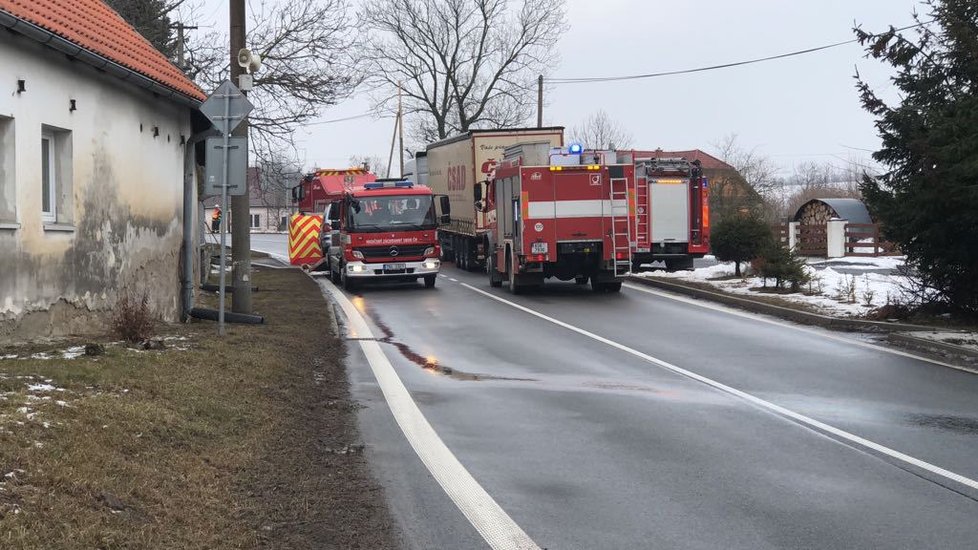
226 107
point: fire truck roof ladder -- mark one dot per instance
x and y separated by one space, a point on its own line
621 230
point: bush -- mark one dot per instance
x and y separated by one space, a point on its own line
132 319
784 266
739 239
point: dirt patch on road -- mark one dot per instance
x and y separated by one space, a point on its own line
249 441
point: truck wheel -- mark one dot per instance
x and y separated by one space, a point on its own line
334 275
514 286
495 280
349 283
613 287
429 281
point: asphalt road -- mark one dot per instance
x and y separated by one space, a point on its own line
588 437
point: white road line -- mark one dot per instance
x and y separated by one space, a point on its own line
811 422
489 519
442 275
453 279
807 330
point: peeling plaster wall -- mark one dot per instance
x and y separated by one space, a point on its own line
123 209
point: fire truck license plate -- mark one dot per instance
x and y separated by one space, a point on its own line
395 267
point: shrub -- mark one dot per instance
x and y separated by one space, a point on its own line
132 319
739 239
783 265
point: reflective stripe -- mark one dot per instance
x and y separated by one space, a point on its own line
577 209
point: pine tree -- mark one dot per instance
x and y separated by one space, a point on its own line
739 239
927 201
151 18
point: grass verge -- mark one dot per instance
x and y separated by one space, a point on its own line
242 442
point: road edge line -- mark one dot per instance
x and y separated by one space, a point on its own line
483 512
757 401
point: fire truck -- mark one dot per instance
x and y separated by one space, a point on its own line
385 230
322 187
672 215
558 213
455 166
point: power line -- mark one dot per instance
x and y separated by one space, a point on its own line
585 80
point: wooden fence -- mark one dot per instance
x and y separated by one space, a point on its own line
863 239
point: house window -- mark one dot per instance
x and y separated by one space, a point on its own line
8 194
49 208
255 221
56 178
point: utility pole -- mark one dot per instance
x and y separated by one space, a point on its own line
181 44
400 131
539 101
240 204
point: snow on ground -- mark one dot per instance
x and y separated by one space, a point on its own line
830 291
967 339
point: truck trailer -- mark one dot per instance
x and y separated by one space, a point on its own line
454 166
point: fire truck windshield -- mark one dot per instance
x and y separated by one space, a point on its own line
392 213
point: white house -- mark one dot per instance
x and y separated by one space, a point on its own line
93 129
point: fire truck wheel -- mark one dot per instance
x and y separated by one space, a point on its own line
580 280
495 280
514 284
429 281
613 287
349 283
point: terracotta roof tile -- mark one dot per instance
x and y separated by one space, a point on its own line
96 27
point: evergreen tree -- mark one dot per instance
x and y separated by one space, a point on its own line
739 239
152 19
927 201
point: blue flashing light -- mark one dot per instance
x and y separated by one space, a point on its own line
575 148
373 185
405 183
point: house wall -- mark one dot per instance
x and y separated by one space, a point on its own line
119 223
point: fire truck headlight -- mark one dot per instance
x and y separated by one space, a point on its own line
430 264
430 251
357 254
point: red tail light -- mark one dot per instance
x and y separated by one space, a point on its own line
621 255
536 258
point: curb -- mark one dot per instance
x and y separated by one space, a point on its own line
803 317
906 340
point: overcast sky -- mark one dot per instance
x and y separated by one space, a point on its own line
793 110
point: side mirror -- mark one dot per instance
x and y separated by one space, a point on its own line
446 205
334 215
477 192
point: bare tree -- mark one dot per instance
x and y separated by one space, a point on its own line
272 185
752 185
307 65
461 63
599 131
372 163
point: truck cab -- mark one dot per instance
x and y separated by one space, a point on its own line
385 230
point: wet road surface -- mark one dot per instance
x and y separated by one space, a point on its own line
588 445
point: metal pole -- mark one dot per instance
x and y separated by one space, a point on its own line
240 204
390 157
224 209
400 130
540 101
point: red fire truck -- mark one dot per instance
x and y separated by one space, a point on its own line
554 213
385 230
672 215
322 187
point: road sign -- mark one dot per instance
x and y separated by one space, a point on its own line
237 158
226 107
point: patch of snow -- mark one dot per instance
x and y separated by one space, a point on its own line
61 403
73 352
41 355
12 356
829 290
42 387
964 339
